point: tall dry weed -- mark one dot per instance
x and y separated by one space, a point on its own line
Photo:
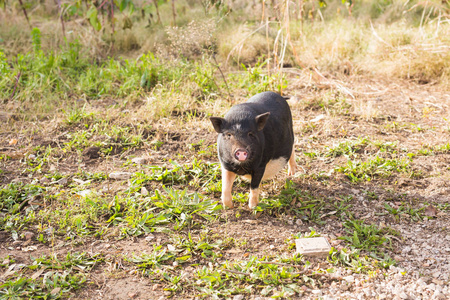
190 41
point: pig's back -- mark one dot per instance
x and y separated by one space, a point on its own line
278 132
273 103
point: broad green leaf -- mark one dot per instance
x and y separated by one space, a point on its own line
92 15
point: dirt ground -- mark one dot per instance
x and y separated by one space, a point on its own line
411 116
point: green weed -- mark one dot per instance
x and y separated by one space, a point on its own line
376 167
60 278
416 214
366 237
355 261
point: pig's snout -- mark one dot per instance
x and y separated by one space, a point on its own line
241 154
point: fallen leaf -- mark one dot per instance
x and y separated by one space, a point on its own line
430 211
13 142
29 249
37 274
55 290
318 118
234 251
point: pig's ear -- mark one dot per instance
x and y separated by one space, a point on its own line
261 120
217 123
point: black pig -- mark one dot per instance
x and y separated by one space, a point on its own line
255 140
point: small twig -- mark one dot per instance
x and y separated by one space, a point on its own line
280 264
241 42
103 3
15 85
25 13
377 36
112 26
333 82
61 17
236 272
223 77
157 11
174 14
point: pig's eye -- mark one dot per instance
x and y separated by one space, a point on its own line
228 135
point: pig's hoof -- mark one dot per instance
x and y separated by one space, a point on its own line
291 171
228 204
252 205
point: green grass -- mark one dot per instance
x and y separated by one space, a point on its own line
49 277
377 167
366 237
405 210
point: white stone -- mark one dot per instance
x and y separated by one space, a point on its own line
139 160
120 175
349 278
317 246
144 191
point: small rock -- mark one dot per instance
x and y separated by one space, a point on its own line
132 295
238 297
300 222
403 295
92 152
349 278
144 191
316 292
406 250
62 181
437 281
139 160
155 287
44 180
354 191
436 274
85 193
28 235
120 175
398 258
31 156
149 237
175 264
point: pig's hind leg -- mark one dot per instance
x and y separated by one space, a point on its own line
227 185
292 166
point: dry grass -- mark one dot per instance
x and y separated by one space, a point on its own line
396 40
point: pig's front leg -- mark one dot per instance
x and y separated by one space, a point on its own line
227 185
254 187
292 166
